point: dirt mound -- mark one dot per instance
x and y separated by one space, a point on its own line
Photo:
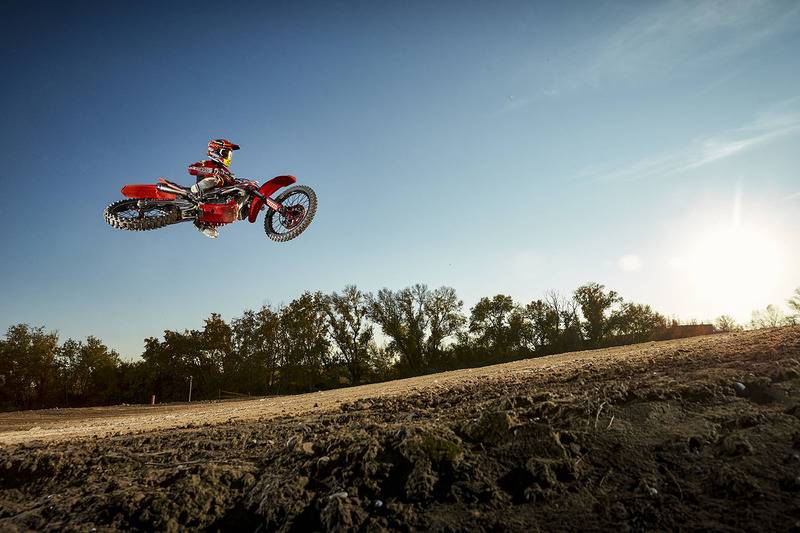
697 434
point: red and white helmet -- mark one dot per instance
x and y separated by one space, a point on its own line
221 151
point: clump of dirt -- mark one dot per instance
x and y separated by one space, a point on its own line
697 434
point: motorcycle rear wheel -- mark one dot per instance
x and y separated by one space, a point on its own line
300 202
125 214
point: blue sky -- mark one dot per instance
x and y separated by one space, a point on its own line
495 147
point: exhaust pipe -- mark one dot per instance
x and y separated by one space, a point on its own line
163 187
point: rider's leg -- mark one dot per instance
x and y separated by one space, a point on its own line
198 189
203 185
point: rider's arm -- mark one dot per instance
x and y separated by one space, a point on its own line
206 170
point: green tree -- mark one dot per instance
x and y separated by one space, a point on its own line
443 310
89 370
258 343
544 325
725 323
28 369
639 323
596 307
417 321
219 360
769 317
304 324
401 319
67 360
794 305
552 324
382 362
499 327
350 330
134 382
170 362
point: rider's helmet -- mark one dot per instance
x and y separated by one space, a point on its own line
221 151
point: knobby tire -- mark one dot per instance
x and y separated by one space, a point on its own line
125 214
274 222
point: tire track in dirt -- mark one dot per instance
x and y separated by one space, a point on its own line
55 425
698 434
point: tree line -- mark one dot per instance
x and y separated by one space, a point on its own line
321 341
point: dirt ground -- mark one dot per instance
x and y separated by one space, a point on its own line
698 434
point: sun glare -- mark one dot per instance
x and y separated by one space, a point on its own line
732 269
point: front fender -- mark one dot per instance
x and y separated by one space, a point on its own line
267 190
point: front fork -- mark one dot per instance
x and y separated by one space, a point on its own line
270 202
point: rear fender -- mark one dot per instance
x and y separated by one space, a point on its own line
267 190
146 191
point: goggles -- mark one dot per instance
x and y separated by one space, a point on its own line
225 153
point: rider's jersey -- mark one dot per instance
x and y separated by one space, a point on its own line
212 169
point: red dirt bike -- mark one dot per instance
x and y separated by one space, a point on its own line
165 203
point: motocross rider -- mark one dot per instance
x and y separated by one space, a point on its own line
213 173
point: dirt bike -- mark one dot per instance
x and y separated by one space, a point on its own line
165 203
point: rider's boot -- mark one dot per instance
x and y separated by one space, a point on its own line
209 231
243 208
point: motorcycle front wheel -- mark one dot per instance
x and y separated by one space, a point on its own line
300 206
126 214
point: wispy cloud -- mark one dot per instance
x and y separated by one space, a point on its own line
703 150
665 41
675 37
